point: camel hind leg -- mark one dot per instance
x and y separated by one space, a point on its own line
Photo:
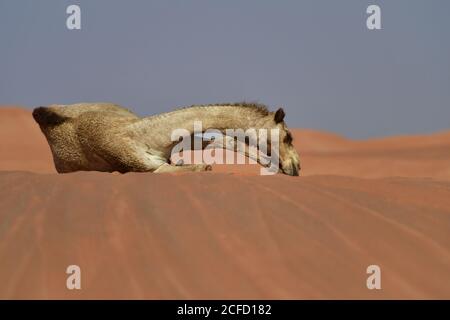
189 167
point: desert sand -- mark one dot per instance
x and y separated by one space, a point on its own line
229 233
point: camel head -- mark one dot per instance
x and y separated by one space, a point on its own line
289 158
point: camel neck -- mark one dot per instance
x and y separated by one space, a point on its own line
219 117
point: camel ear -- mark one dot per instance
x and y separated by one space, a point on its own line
279 115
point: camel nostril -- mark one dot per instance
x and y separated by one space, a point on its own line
295 169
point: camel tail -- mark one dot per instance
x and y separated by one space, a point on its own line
45 116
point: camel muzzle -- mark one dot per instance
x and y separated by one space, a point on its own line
292 170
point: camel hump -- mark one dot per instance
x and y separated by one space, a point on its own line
45 116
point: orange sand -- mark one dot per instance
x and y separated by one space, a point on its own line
229 233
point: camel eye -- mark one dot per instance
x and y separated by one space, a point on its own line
288 138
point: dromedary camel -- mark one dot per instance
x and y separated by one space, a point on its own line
107 137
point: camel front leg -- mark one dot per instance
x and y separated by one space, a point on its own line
232 144
189 167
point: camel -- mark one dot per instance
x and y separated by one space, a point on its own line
107 137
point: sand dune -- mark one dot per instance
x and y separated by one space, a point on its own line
229 233
22 145
222 236
403 156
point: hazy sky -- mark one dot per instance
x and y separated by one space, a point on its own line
315 58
